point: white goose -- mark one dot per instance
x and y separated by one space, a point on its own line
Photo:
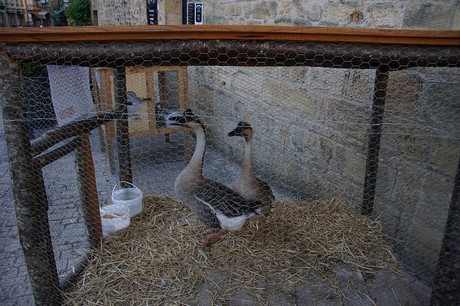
215 204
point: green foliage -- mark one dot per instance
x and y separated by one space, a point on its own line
79 13
30 69
2 6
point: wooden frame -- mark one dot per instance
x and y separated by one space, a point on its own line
104 97
226 32
168 46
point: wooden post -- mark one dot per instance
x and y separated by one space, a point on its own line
88 191
182 79
29 192
106 92
99 106
124 153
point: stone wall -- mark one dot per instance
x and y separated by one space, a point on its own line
311 123
429 14
115 12
418 161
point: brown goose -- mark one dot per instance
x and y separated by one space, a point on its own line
216 205
248 185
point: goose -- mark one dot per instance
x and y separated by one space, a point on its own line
215 204
248 185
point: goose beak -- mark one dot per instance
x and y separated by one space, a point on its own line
236 132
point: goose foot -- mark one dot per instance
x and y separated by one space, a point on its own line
212 238
260 233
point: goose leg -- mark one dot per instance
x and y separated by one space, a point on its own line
259 234
213 237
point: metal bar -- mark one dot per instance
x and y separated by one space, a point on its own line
29 190
373 148
447 277
250 53
124 152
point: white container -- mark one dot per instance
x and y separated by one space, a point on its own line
114 218
130 197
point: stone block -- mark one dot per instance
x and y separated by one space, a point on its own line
414 148
293 74
425 241
456 24
274 162
305 10
292 21
444 156
245 83
294 99
348 118
112 12
339 13
228 9
403 93
389 288
354 85
303 142
428 16
384 15
407 189
264 10
350 164
435 197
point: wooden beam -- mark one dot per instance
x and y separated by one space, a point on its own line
230 32
47 158
88 191
29 190
124 151
53 136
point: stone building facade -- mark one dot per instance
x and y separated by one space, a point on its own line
420 14
312 124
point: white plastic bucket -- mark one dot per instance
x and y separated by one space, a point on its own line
114 218
131 197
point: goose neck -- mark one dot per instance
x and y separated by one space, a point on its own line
196 162
248 167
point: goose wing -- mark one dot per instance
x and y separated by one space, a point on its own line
224 199
266 189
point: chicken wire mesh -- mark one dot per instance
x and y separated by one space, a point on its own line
375 126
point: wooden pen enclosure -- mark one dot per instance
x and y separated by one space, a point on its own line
366 116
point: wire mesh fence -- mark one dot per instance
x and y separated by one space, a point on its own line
373 126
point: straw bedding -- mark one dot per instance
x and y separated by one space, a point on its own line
159 259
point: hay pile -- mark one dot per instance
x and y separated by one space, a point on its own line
159 259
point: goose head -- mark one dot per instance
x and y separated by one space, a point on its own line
187 119
243 129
